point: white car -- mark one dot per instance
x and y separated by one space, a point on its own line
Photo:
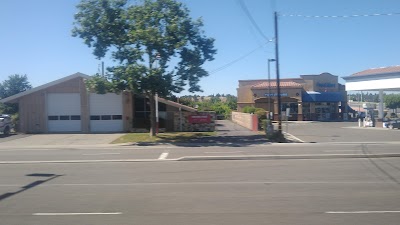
5 124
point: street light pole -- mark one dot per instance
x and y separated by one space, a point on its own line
269 85
156 97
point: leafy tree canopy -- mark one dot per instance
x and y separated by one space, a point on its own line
146 39
392 101
15 84
159 47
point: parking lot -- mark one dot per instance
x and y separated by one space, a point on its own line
321 132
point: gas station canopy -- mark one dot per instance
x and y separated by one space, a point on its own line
384 78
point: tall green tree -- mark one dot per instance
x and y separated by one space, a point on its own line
392 101
159 47
15 84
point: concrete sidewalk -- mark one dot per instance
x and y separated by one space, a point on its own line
59 139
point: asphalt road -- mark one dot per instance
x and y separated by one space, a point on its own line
95 184
351 191
172 152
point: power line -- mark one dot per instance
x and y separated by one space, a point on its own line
342 16
237 60
248 14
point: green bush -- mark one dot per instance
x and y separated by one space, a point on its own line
249 109
261 114
15 121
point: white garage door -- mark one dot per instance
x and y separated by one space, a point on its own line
106 113
64 112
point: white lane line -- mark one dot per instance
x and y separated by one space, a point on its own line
224 152
209 183
103 154
163 155
360 212
354 150
75 214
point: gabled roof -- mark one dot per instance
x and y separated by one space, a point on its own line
44 86
274 84
378 71
177 105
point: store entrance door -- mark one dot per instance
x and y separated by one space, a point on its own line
325 111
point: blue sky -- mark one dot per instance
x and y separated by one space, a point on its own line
35 39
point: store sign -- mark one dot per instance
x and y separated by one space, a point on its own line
275 95
326 85
200 119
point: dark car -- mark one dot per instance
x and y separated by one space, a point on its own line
5 124
393 124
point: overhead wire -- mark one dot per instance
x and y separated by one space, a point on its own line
342 16
250 17
237 60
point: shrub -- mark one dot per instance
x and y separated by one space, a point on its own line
249 109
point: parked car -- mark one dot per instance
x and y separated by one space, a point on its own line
393 124
5 124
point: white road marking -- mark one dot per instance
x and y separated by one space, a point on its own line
103 154
224 152
360 212
163 155
74 214
342 150
209 183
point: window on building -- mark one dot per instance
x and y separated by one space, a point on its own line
94 117
52 117
117 117
64 117
106 117
75 117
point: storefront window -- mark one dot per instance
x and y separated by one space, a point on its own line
326 110
294 109
306 111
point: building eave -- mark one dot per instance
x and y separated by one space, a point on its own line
14 98
177 105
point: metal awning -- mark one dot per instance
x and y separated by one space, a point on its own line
312 96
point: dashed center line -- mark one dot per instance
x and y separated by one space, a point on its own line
360 212
224 152
163 155
103 154
76 214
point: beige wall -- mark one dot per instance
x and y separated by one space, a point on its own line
32 113
319 83
243 119
245 95
33 108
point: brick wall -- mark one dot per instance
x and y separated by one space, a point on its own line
182 123
247 120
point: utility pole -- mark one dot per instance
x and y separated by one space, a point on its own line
278 80
269 87
102 68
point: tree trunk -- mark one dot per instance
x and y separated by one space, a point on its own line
152 115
